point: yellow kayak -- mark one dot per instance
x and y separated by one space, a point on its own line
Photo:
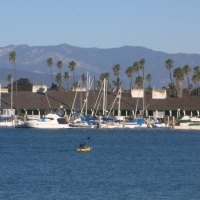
84 149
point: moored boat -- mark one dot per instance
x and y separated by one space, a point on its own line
188 123
81 123
7 121
49 121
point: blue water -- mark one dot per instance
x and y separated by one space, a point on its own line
124 164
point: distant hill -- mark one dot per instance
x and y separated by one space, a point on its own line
31 61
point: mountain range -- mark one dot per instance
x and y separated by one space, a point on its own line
31 62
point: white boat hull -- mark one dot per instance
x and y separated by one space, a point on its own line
187 127
7 124
188 123
43 125
50 121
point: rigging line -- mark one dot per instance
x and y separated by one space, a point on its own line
114 102
86 97
48 100
74 100
99 103
97 99
58 100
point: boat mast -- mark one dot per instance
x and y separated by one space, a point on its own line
135 114
74 100
87 91
104 96
98 97
86 99
0 98
11 96
143 100
119 103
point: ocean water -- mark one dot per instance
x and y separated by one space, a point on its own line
124 164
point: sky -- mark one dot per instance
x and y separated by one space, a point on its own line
171 26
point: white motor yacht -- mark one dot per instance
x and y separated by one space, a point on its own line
188 123
49 121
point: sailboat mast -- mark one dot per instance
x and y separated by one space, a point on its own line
119 103
143 101
104 96
87 88
0 98
11 97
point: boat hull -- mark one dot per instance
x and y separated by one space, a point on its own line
187 127
85 149
44 125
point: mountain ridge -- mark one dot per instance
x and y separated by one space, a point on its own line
94 60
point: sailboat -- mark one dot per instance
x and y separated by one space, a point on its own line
7 117
84 121
134 121
108 121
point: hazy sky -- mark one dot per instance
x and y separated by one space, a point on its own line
171 26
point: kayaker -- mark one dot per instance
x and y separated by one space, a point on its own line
82 145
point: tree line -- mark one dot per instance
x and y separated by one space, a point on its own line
134 73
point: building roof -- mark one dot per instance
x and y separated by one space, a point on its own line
55 99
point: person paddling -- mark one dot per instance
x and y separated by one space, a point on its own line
82 145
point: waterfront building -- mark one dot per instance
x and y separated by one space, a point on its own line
34 103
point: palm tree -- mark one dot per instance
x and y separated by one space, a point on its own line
72 66
169 66
179 77
12 59
60 65
50 63
129 74
196 78
141 64
116 84
83 79
58 79
196 69
139 82
186 71
136 67
66 77
116 70
148 79
105 75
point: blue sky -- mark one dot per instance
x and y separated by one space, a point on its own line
171 26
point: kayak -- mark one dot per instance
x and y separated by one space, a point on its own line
85 149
